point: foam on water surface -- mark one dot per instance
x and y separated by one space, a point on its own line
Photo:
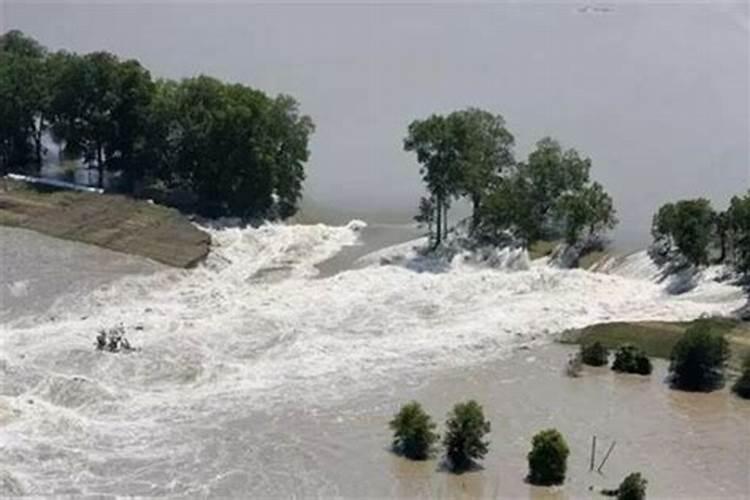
251 330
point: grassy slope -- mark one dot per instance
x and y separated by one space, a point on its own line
110 221
658 337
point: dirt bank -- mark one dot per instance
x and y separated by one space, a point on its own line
111 221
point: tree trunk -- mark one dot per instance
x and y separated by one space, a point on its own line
445 220
100 166
438 220
475 202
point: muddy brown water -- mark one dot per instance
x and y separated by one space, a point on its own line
688 445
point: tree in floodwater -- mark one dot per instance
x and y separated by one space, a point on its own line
484 153
548 458
433 142
698 359
550 196
684 229
741 386
414 433
464 436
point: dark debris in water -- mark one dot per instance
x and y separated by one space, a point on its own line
113 340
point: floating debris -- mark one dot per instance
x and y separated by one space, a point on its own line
113 340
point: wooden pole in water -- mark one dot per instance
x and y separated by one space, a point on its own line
593 452
606 456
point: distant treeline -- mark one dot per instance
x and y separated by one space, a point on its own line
231 148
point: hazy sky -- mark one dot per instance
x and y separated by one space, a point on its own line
655 93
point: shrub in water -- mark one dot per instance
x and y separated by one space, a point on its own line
548 458
630 359
633 487
742 386
465 430
698 359
594 354
413 432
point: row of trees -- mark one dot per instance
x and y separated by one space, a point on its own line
469 154
236 150
692 232
697 361
414 437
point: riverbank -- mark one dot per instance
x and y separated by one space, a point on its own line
114 222
657 338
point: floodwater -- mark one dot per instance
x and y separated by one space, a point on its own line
253 382
37 270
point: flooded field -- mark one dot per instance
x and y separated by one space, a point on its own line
250 381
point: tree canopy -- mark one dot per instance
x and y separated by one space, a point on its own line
469 154
236 150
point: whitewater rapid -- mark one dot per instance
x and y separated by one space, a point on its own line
253 330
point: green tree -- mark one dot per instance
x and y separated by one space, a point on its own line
633 487
589 209
630 359
464 437
24 99
414 433
433 142
84 106
698 358
484 152
290 133
552 172
594 354
548 458
738 229
741 386
685 228
547 197
426 213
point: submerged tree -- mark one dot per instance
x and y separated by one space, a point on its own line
697 360
548 458
741 386
464 436
414 433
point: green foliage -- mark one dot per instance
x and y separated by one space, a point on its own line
460 154
431 140
594 354
633 487
236 150
685 228
738 229
590 210
549 197
484 153
697 360
23 100
630 359
548 458
413 432
741 386
464 437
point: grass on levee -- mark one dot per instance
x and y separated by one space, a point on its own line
657 338
115 222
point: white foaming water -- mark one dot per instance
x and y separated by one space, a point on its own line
251 331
